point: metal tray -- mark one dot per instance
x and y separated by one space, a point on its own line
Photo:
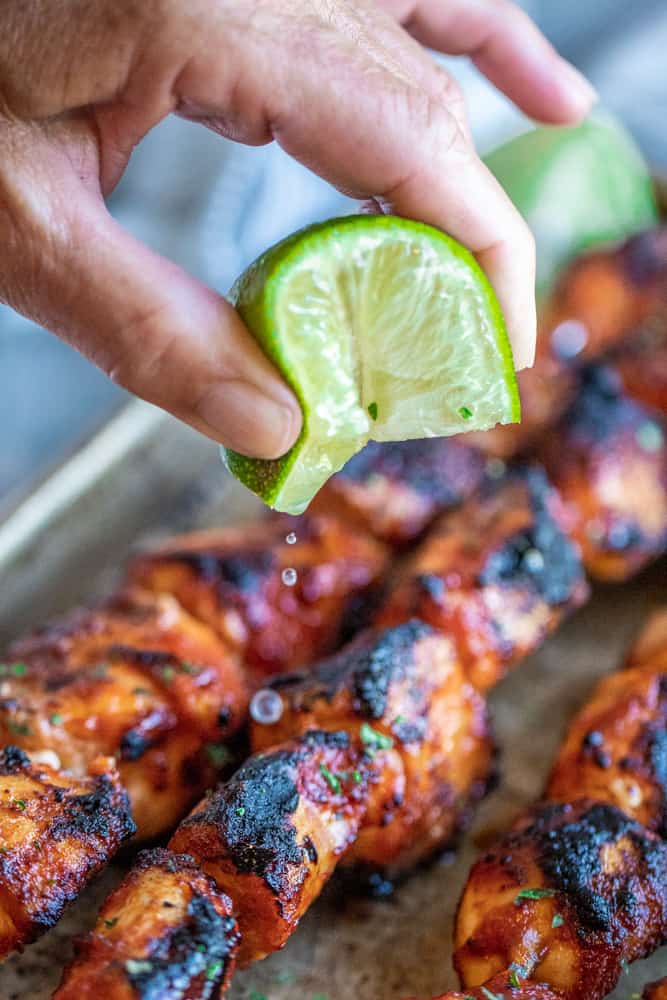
146 474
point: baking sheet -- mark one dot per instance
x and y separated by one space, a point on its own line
146 475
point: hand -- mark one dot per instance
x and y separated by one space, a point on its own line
338 83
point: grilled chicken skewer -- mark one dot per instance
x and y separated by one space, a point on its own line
56 832
143 681
238 599
579 888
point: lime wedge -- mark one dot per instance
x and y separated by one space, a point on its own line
576 187
386 329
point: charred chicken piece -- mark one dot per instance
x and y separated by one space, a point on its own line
496 576
139 680
403 690
509 986
616 748
656 991
233 580
395 490
271 836
569 897
641 363
56 832
608 458
599 299
166 932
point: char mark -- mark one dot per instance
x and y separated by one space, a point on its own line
244 572
542 557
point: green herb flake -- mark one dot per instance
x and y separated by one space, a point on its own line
218 754
136 967
558 920
214 969
111 923
56 719
19 728
465 412
332 781
18 669
373 411
514 979
373 740
534 894
356 777
20 804
240 811
168 674
189 668
491 996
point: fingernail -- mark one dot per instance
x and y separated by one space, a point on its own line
581 90
242 417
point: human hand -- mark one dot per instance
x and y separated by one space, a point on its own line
338 83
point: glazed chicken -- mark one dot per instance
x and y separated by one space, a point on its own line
579 888
395 490
599 299
641 363
507 986
574 893
656 991
166 925
374 760
608 458
405 689
497 576
139 680
234 580
56 832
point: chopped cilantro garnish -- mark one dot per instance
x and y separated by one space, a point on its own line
218 754
138 966
111 923
514 979
356 777
168 674
20 804
332 781
56 719
534 894
558 920
201 947
213 970
240 811
20 728
373 410
373 740
189 668
465 412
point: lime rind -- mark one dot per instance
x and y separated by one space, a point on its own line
334 306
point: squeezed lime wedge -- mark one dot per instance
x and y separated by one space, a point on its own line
386 329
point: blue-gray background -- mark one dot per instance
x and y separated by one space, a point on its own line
212 206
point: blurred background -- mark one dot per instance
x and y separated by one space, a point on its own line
212 206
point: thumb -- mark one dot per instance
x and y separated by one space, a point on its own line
148 324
